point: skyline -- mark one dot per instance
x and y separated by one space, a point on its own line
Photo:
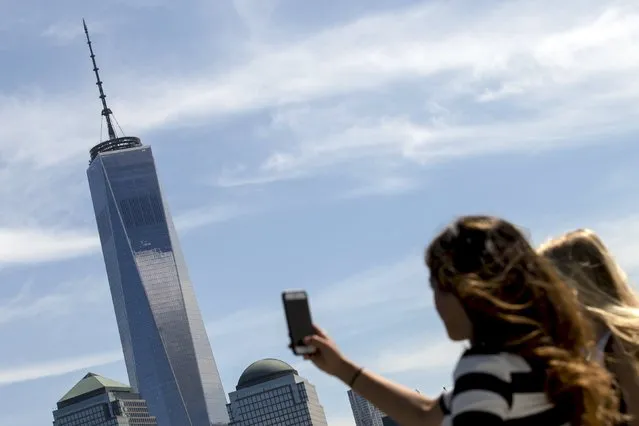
317 147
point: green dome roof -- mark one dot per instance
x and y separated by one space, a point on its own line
90 384
263 371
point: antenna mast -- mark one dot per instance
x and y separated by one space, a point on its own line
106 112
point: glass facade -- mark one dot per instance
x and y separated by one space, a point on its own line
105 409
287 400
166 349
365 413
93 415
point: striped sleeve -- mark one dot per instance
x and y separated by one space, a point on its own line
482 393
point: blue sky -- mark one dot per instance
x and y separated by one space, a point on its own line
316 145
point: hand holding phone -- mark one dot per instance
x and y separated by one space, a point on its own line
298 318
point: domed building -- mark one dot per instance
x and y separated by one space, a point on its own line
271 393
96 400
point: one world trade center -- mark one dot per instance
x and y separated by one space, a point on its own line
166 349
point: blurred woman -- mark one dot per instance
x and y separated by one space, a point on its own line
525 364
611 304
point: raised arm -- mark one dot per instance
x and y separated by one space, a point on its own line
402 404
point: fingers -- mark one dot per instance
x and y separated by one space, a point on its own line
319 331
318 341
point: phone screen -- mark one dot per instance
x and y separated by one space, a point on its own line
298 317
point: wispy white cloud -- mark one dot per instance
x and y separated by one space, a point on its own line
189 220
39 245
417 357
574 66
68 132
63 299
243 321
381 185
67 32
255 15
23 373
361 295
516 48
396 282
386 140
513 53
44 245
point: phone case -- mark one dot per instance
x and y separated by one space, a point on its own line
304 295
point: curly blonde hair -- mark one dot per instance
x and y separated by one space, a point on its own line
519 303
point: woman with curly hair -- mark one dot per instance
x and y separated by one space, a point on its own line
610 303
525 364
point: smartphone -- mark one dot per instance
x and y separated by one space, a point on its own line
298 318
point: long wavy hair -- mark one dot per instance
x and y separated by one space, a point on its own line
602 286
518 303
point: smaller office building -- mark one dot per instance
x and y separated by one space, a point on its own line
98 401
365 413
271 393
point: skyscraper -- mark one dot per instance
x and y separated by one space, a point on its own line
365 413
166 349
98 401
271 393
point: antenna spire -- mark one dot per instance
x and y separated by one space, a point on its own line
106 112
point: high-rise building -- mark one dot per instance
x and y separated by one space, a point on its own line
365 413
166 349
271 393
98 401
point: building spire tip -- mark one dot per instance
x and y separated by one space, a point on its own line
106 112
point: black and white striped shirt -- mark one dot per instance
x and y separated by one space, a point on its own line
499 389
